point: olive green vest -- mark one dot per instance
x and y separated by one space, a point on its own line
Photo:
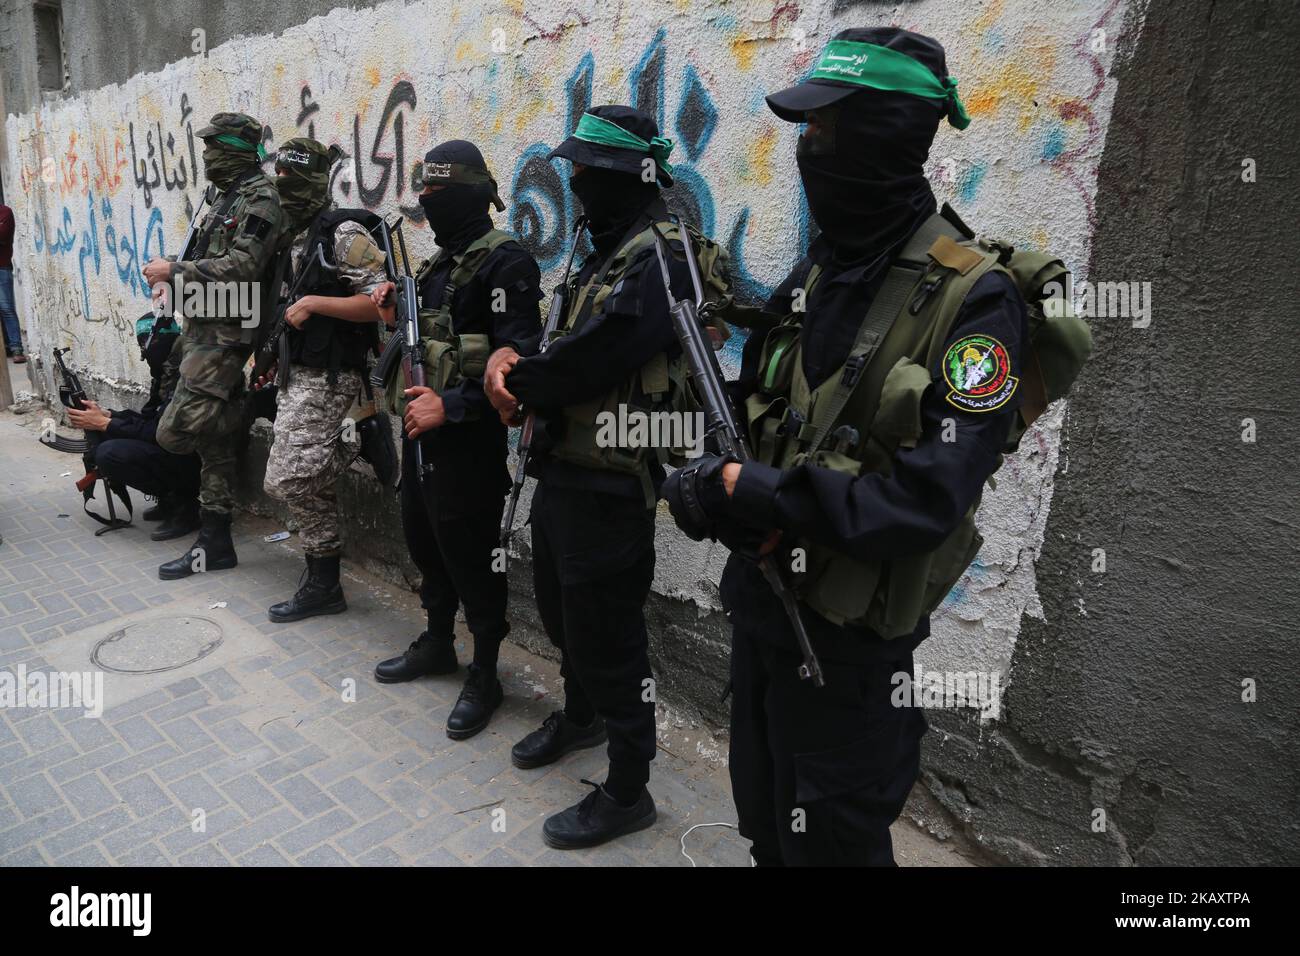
862 415
449 358
649 389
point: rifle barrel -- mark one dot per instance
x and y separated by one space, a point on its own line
722 423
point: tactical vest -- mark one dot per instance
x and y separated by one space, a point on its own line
449 358
658 386
861 416
324 341
213 241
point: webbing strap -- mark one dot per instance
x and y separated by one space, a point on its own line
885 308
110 488
639 225
916 249
464 266
219 213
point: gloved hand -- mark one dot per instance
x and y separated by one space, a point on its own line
699 505
696 497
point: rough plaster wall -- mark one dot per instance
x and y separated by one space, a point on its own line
1128 698
1025 170
385 82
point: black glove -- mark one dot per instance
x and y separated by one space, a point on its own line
740 538
700 507
696 497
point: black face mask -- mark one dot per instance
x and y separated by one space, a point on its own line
863 171
611 201
457 214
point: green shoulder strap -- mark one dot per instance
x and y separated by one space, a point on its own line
464 265
907 267
469 261
635 238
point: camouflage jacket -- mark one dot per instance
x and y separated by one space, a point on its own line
241 249
359 259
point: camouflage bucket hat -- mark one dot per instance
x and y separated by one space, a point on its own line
237 130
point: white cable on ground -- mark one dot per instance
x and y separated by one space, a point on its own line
730 826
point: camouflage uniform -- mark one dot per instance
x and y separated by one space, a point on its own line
310 451
204 414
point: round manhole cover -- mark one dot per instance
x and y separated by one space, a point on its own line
162 644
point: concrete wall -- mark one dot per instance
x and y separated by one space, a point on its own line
1128 695
1047 94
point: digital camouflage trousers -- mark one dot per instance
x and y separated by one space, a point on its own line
313 445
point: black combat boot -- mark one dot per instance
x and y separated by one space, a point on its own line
596 819
426 655
557 736
481 695
161 510
214 545
181 518
320 593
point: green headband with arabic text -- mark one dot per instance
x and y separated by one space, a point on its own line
880 68
239 143
602 132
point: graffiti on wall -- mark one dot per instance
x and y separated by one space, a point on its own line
108 179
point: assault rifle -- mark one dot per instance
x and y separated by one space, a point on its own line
405 342
73 395
160 320
720 420
559 305
274 350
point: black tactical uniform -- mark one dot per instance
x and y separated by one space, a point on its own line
592 523
819 774
129 452
451 516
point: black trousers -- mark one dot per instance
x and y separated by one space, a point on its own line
453 548
817 774
144 466
593 561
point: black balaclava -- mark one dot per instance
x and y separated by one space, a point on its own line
458 213
611 201
864 174
155 356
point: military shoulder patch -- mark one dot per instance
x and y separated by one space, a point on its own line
361 253
978 372
256 226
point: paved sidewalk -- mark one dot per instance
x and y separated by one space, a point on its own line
276 738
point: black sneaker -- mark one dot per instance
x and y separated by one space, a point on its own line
596 819
425 656
557 736
481 696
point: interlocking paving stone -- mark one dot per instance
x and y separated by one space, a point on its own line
89 795
285 768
